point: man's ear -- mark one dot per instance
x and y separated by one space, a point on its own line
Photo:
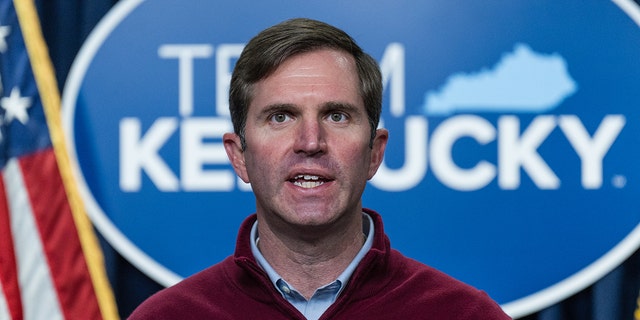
377 150
233 147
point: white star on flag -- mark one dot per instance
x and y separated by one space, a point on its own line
4 32
15 107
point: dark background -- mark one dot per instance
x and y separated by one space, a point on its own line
67 23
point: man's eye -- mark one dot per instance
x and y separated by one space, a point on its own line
338 117
279 117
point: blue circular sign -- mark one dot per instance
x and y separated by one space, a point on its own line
513 134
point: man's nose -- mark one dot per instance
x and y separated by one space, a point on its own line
310 137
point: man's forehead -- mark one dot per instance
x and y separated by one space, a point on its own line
327 57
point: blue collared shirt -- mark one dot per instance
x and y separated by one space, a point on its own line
325 295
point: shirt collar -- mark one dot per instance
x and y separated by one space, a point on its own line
343 278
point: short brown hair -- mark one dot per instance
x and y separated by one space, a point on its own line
271 47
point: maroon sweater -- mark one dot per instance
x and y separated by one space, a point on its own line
385 285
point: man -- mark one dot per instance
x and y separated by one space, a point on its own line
305 103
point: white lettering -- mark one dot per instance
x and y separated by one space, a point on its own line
415 163
592 151
195 153
392 68
138 154
185 53
515 152
442 164
226 52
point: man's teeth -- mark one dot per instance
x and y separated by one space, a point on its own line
308 184
307 181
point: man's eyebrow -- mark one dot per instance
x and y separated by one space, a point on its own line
277 107
339 106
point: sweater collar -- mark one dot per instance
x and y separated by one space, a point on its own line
371 274
243 242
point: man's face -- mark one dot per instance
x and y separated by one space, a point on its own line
307 134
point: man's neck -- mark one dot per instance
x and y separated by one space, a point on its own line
307 262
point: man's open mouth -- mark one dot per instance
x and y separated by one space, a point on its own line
308 181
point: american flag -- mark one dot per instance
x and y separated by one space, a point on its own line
50 263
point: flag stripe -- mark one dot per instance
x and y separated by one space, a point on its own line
8 269
38 293
59 236
4 309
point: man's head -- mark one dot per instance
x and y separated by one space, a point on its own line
305 103
270 48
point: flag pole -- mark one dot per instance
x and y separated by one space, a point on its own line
50 96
